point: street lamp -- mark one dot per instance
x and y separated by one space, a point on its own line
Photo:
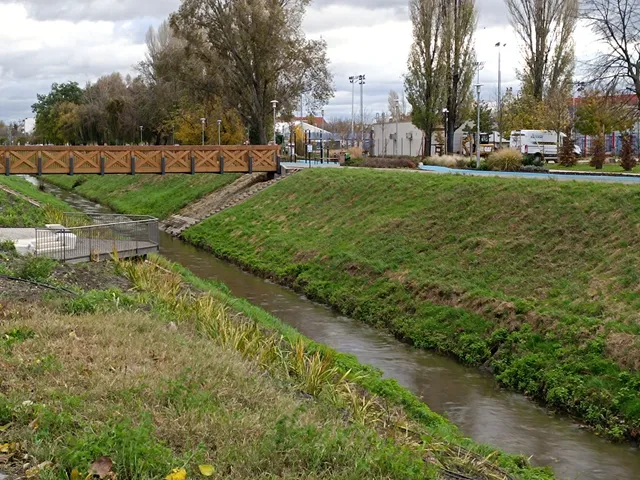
397 115
322 138
219 125
141 128
445 112
500 45
274 104
352 79
361 81
203 121
478 88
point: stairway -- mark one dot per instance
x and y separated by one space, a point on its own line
238 192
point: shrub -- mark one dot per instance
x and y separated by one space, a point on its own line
389 163
567 155
532 161
505 160
7 247
37 268
598 152
627 160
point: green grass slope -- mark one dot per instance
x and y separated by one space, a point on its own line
160 196
17 212
536 280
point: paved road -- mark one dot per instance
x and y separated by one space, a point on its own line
538 176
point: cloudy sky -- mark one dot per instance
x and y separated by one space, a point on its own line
46 41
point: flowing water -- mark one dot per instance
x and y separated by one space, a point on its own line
467 396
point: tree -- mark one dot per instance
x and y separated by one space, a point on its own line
522 111
627 160
425 79
394 104
567 156
616 24
45 109
460 26
556 112
545 27
599 113
257 52
598 152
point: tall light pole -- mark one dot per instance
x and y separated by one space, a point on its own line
361 81
500 45
219 128
352 79
478 88
141 128
384 140
322 138
397 127
445 112
274 104
202 121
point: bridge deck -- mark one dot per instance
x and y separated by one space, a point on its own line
138 160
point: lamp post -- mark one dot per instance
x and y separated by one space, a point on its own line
141 128
352 79
478 88
219 125
361 81
322 138
274 104
500 45
202 121
397 115
445 112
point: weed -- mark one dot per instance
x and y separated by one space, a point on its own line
7 246
37 268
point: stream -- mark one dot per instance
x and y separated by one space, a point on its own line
469 397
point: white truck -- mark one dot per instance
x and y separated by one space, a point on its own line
539 143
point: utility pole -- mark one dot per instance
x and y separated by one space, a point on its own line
384 139
445 112
395 145
322 139
361 79
478 88
500 45
352 79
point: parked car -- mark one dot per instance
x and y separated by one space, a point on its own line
542 144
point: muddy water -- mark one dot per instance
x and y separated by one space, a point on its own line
468 397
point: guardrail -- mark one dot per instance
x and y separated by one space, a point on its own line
134 160
99 237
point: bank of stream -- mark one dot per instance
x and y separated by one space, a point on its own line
468 397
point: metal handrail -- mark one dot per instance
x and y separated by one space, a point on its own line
86 227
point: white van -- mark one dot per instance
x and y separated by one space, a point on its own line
539 143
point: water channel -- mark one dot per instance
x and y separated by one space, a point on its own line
468 397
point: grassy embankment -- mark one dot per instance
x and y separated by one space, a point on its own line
143 194
585 167
171 372
538 281
16 212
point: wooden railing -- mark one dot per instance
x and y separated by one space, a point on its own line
138 160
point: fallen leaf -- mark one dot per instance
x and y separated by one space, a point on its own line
101 467
206 470
75 474
4 459
4 448
5 427
9 447
34 424
177 474
35 471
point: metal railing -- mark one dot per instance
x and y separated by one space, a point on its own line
97 236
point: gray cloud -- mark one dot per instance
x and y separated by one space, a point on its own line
110 10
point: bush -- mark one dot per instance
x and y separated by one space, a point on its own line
627 160
7 247
354 162
37 268
389 163
567 155
598 152
532 161
505 160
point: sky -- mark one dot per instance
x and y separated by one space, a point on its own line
47 41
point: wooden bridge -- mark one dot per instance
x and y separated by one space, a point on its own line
134 160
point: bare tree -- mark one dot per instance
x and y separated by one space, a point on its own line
460 25
394 103
545 27
617 25
425 79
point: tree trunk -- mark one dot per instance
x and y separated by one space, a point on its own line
427 144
